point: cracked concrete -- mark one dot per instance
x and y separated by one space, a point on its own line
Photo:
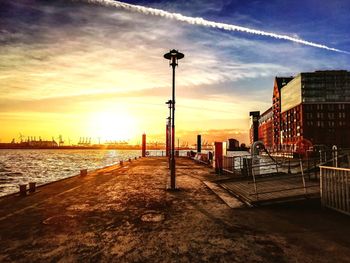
126 215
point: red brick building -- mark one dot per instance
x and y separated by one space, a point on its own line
276 111
265 129
309 109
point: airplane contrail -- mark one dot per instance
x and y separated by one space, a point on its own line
207 23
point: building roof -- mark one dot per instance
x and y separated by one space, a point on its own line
267 111
282 81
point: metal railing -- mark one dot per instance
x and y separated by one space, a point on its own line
243 165
335 188
285 183
269 178
228 164
162 153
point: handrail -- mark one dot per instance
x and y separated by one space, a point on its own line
335 168
286 189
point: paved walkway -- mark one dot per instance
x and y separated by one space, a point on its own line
125 215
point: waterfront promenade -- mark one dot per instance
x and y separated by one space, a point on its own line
124 214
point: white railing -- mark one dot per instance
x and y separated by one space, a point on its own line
244 164
335 188
234 164
162 153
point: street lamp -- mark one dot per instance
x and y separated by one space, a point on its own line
168 139
168 132
173 56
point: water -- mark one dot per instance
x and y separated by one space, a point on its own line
44 166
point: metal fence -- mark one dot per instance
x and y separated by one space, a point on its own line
162 153
245 165
228 164
260 180
335 188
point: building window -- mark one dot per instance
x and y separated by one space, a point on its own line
330 106
341 115
320 115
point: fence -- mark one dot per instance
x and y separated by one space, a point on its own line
162 153
228 164
335 188
245 165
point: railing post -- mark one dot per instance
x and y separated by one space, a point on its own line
335 155
233 165
347 190
302 175
289 171
343 190
315 168
322 187
255 186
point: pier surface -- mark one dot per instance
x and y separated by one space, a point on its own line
124 214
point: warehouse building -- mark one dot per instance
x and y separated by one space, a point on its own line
310 109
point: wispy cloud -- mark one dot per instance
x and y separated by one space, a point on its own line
65 59
203 22
96 57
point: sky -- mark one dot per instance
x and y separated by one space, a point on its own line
95 68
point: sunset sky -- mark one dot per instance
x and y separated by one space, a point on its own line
94 69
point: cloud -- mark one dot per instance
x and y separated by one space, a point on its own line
208 136
203 22
101 51
71 58
94 56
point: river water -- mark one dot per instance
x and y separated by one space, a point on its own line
44 166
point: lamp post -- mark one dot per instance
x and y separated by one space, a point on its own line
168 138
168 133
173 56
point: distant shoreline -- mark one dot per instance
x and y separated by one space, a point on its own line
88 148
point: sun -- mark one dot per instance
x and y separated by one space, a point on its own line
112 126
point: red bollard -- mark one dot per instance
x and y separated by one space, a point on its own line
143 145
218 157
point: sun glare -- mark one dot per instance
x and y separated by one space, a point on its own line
112 126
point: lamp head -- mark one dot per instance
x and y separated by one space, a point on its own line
173 56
